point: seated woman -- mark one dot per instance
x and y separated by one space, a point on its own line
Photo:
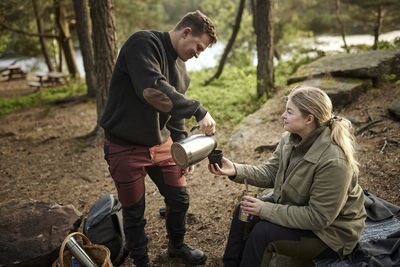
317 209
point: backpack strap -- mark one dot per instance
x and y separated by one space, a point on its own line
118 213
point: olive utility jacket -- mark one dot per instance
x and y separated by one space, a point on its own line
320 194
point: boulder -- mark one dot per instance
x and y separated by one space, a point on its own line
369 64
32 231
342 91
394 107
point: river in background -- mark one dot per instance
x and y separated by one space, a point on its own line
209 57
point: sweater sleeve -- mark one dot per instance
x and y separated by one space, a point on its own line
327 197
144 57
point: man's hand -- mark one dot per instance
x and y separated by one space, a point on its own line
207 125
188 170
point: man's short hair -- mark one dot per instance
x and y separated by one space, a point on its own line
199 23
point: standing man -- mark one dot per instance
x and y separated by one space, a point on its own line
144 115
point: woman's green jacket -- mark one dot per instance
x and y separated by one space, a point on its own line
320 194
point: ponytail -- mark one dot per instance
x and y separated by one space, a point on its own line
342 135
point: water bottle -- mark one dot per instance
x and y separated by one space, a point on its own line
80 255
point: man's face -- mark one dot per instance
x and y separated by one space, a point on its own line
191 46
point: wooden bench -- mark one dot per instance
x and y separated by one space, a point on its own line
15 72
38 85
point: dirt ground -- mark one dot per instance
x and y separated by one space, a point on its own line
41 159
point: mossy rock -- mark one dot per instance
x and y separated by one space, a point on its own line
342 91
370 65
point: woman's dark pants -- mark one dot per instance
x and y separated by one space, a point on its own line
250 244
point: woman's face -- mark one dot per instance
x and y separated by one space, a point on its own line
293 120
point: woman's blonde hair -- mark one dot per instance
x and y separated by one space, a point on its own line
314 101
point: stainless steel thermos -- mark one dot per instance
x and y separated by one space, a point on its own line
78 252
192 149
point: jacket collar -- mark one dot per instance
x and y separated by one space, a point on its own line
168 45
302 145
319 146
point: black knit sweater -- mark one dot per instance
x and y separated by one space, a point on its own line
146 101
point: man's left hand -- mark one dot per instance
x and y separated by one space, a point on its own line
188 170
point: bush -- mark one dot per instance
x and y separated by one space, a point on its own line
228 99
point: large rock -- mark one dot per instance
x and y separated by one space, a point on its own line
370 64
342 91
394 107
31 231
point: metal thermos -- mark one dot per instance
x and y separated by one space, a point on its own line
78 252
192 149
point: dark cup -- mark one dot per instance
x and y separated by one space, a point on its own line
216 157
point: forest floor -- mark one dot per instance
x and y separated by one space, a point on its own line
41 159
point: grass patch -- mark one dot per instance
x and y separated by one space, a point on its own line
16 103
230 98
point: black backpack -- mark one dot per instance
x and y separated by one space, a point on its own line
103 225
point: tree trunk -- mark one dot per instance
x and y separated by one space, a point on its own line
264 27
65 38
229 46
84 29
105 51
378 27
341 25
41 38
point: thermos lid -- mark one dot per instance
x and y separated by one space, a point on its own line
179 155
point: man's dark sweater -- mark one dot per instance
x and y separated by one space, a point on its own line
146 102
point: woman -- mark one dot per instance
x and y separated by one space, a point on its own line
317 209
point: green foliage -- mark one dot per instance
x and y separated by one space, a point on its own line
223 14
382 45
390 78
284 69
174 10
134 15
16 103
305 15
228 99
19 14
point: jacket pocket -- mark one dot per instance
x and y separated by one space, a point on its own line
298 189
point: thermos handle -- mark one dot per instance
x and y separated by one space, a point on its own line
195 127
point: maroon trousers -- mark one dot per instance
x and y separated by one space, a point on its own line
128 166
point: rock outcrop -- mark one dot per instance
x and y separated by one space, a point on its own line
394 107
31 232
342 91
367 65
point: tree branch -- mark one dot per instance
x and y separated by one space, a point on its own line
229 46
8 27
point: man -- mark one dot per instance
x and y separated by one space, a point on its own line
144 115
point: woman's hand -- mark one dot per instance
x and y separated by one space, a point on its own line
227 169
251 205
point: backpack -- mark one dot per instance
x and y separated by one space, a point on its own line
103 225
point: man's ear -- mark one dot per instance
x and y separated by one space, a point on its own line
186 32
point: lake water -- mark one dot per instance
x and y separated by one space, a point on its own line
208 58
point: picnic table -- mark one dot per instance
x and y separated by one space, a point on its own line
14 72
55 78
48 79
